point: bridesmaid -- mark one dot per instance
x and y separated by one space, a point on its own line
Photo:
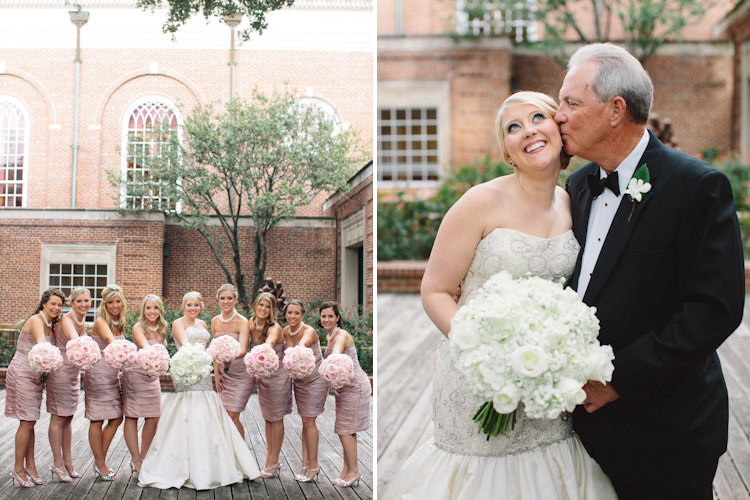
64 386
274 392
100 382
234 386
24 386
309 393
352 400
141 393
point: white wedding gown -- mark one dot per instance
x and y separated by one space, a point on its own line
537 459
196 443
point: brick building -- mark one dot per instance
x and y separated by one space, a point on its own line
60 136
736 25
438 91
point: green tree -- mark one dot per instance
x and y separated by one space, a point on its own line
180 11
265 157
642 25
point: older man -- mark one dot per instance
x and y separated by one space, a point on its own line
662 262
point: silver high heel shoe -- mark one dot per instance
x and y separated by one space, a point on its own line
15 477
302 478
345 484
37 480
272 471
72 472
98 474
61 475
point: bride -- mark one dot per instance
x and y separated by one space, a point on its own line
519 223
196 443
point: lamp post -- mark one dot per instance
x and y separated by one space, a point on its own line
232 21
78 18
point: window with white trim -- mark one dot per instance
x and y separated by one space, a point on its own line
14 135
68 266
147 133
329 113
488 18
408 144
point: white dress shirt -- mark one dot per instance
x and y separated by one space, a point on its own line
603 209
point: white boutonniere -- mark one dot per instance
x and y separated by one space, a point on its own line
639 185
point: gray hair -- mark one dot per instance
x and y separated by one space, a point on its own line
618 73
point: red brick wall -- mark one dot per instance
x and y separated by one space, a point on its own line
303 259
361 196
739 31
138 264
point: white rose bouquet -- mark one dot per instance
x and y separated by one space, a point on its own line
527 340
190 364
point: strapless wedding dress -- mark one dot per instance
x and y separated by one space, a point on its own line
196 443
538 459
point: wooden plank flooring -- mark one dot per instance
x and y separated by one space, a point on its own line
406 349
125 487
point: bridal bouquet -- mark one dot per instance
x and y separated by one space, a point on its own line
299 361
224 349
83 352
337 370
154 360
527 340
190 364
262 361
44 358
121 354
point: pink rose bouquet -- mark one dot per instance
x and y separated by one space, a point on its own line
44 358
337 369
121 354
262 361
223 350
299 361
83 352
154 360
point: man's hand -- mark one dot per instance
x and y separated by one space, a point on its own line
598 395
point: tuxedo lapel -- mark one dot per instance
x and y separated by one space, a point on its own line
623 224
581 198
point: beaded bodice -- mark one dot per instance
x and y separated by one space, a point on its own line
454 405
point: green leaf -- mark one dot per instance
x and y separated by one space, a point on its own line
642 173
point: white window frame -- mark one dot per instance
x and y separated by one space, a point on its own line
412 95
26 153
497 20
78 253
325 107
124 144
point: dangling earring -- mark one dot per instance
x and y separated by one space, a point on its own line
511 163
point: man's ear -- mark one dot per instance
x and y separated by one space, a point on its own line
618 111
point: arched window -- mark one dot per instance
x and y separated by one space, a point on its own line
148 128
326 109
14 136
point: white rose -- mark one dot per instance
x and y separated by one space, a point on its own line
599 363
506 400
528 361
572 393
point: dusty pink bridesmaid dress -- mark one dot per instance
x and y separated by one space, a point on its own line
352 400
310 392
23 386
141 393
63 384
238 384
101 388
275 392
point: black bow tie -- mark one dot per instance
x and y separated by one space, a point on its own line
597 185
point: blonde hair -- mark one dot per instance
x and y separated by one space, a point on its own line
192 295
269 297
109 293
226 287
545 103
161 322
78 291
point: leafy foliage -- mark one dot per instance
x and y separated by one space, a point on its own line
407 227
180 11
265 157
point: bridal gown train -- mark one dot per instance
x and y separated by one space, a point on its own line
538 459
196 443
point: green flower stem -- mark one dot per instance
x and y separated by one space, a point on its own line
491 422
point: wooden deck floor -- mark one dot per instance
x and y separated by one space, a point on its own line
125 487
406 350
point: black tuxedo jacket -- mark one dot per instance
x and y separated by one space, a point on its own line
669 288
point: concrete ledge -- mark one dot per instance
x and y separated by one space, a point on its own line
400 276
